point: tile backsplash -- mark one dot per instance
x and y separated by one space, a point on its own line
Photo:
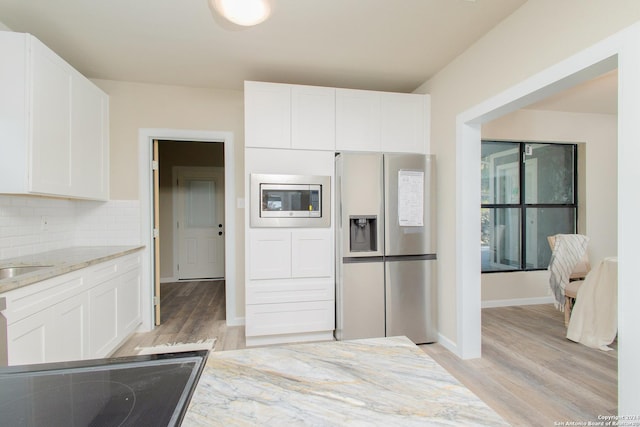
31 224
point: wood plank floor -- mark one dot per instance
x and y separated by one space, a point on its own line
529 372
191 311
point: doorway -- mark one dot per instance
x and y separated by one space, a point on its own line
225 141
562 76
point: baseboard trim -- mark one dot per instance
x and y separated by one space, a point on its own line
237 321
448 344
517 301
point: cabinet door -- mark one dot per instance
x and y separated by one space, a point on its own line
311 253
267 115
103 326
14 112
26 339
51 127
129 314
89 140
313 118
67 334
404 122
270 254
357 120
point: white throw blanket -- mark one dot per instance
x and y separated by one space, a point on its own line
594 318
568 250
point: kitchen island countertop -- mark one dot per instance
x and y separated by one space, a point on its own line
380 381
60 261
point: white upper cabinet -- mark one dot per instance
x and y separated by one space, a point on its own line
89 140
55 136
323 118
404 122
289 116
357 120
267 115
381 121
313 118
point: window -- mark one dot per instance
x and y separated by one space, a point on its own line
528 193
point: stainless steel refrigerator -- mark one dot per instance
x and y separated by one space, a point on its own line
385 246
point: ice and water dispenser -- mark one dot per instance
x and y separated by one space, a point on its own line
363 233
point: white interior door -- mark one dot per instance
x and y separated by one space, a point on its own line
200 222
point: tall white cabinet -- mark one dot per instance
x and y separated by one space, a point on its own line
295 129
55 134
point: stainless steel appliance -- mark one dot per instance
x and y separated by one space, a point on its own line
385 246
290 200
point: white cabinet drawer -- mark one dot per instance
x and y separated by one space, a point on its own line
278 291
24 302
289 318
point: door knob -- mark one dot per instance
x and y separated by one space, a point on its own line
219 225
219 233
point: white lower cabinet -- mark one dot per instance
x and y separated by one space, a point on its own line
290 291
55 334
285 254
26 339
103 300
270 253
80 315
68 331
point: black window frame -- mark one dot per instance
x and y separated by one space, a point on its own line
522 206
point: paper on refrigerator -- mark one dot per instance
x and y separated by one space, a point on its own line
410 198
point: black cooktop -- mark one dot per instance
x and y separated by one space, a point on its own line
151 390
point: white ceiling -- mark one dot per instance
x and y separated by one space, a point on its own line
390 45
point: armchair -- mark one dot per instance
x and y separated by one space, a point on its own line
576 277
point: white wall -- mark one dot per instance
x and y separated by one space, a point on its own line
523 44
598 203
133 106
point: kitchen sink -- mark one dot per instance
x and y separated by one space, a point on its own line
10 272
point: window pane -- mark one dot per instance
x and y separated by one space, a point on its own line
500 169
500 239
549 173
543 222
200 203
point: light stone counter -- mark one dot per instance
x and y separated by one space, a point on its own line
61 261
381 381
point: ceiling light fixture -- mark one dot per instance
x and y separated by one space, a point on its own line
243 12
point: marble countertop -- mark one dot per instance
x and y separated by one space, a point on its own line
60 261
381 381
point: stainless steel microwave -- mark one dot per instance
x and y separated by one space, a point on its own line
290 200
